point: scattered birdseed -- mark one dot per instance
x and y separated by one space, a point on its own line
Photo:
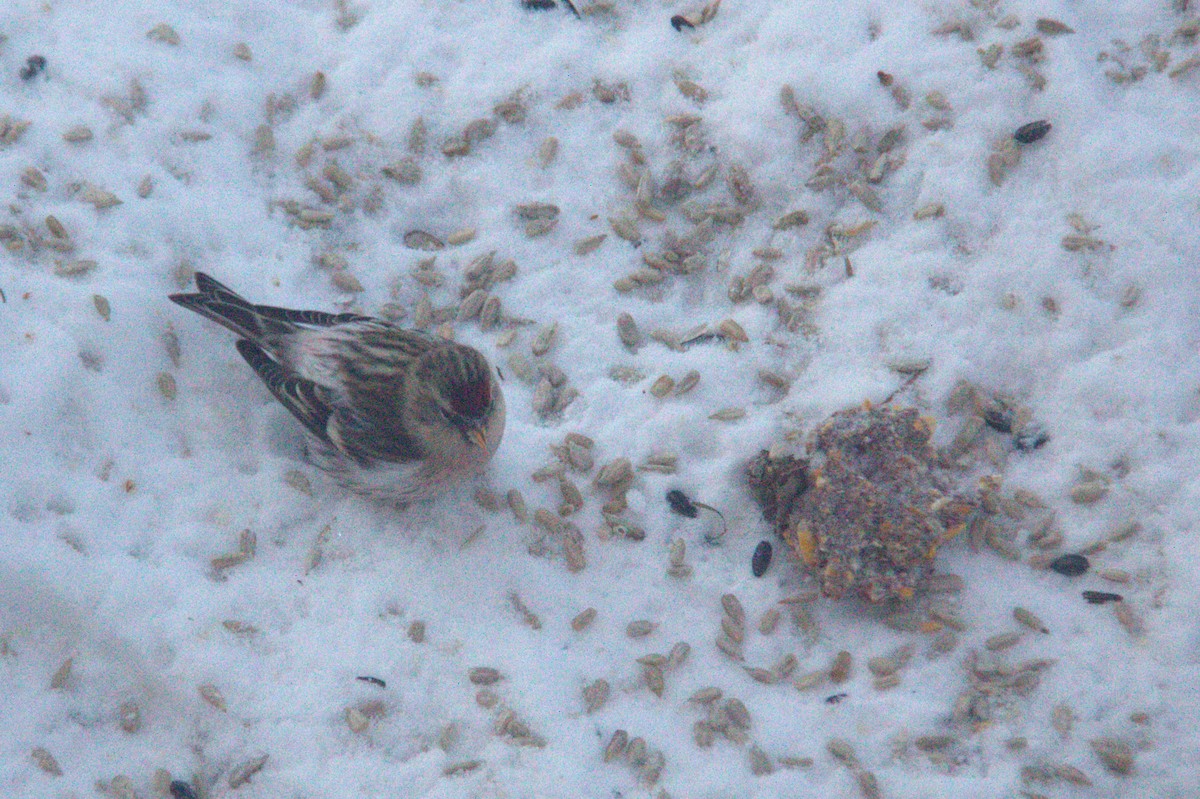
1031 621
839 672
45 761
842 751
162 32
1114 754
1052 27
34 65
484 675
1032 131
1089 491
241 774
761 558
617 745
640 628
1070 565
595 695
212 695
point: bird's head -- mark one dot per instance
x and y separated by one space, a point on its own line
461 396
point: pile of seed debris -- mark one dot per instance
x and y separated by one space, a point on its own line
866 511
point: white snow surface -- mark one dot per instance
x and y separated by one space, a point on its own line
115 497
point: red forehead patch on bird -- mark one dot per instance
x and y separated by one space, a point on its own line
471 399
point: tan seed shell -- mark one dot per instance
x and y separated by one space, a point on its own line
45 761
616 746
1062 718
420 240
640 628
1068 773
868 785
356 720
737 713
487 698
703 734
679 654
416 632
212 695
732 331
583 619
728 414
1031 621
764 676
637 751
842 751
1114 754
243 772
885 682
58 680
34 179
843 662
626 228
662 386
723 643
733 629
595 695
705 696
460 237
162 32
516 503
74 268
934 743
484 675
882 666
627 331
590 244
654 680
760 762
544 339
1002 641
732 607
769 621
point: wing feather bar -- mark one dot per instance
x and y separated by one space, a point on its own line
301 397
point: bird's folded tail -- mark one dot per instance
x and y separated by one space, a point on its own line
262 324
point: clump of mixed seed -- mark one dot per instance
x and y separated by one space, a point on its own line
866 511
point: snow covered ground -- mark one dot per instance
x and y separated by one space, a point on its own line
250 140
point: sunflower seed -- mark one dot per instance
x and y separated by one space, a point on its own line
723 642
74 268
1114 754
162 32
810 680
737 713
212 695
626 228
544 339
640 628
547 151
242 773
595 695
406 171
589 244
654 680
842 751
1001 641
637 751
420 240
868 785
45 761
840 670
1070 565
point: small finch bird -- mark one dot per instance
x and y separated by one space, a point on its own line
393 414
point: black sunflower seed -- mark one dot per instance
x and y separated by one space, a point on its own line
33 65
1031 132
1070 565
181 790
680 503
679 22
761 558
1101 597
